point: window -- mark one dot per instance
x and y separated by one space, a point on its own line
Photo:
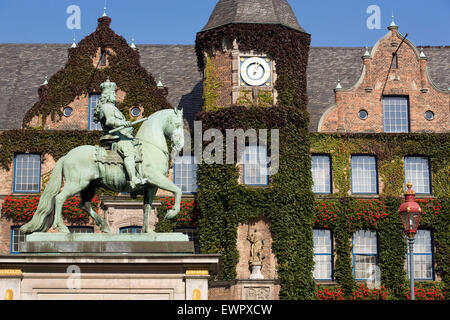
103 57
185 174
192 233
417 170
365 254
17 238
131 229
81 229
27 172
135 112
364 174
423 256
395 114
256 171
321 174
394 61
323 254
94 99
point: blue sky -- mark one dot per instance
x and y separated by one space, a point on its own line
330 22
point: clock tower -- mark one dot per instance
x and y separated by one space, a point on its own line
253 53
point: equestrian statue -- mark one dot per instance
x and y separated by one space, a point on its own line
122 163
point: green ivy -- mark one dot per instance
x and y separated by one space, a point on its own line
287 201
80 77
211 84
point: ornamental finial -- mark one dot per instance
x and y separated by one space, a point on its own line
132 45
104 10
392 22
74 44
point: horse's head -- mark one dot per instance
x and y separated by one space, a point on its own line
174 129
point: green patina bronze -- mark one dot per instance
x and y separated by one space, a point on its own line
124 163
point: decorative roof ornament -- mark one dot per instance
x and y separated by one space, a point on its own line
367 53
132 45
104 10
45 81
338 86
422 54
393 22
160 83
74 44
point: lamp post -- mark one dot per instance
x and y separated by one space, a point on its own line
410 213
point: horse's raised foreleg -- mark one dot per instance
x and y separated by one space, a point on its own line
162 182
85 204
148 200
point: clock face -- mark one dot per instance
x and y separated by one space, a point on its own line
255 71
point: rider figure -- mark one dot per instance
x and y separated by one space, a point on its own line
110 118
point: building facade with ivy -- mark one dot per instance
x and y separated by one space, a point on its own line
354 125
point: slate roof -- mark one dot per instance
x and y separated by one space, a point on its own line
246 11
24 67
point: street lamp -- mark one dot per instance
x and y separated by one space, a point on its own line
410 213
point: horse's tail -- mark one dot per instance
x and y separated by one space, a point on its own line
43 217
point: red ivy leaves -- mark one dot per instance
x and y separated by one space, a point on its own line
364 293
188 211
360 293
23 209
370 211
430 206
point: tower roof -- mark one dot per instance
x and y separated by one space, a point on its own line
253 11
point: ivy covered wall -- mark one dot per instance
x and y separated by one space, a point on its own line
287 201
80 76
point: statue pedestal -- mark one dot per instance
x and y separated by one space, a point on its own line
256 272
107 276
77 266
46 242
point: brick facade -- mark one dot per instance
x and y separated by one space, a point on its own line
410 79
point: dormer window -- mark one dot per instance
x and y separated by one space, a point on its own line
394 61
103 58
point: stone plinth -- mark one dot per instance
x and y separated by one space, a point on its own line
245 289
106 276
107 243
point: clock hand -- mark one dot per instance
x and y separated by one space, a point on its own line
256 68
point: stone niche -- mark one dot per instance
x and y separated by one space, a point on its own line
245 288
269 263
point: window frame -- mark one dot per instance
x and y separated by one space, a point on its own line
11 247
376 174
376 255
81 227
408 115
430 187
195 235
91 123
330 171
422 254
267 166
175 176
326 254
134 227
15 172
